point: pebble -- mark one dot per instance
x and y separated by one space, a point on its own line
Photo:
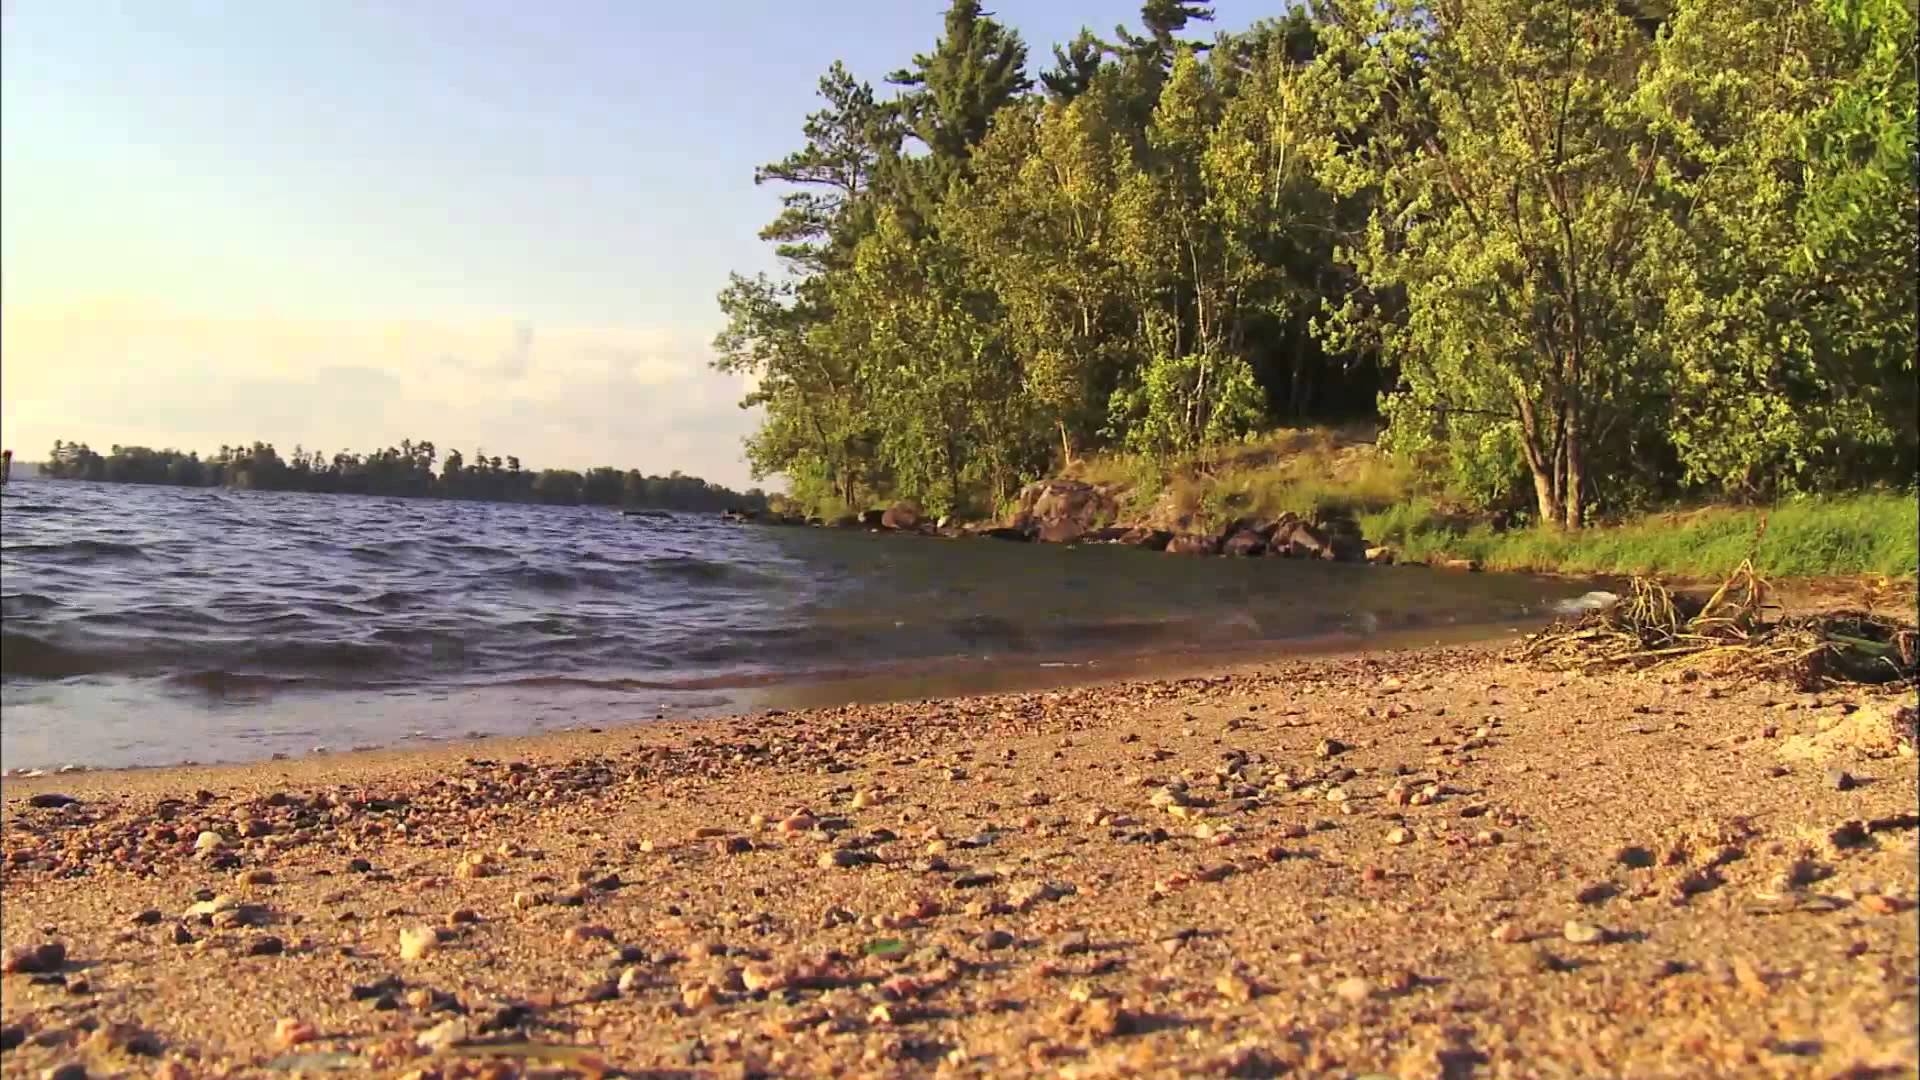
1398 837
418 941
290 1032
462 916
181 935
51 800
257 877
838 857
72 1070
208 841
630 979
1354 991
1583 933
149 917
735 845
207 909
1330 748
36 959
266 946
1234 987
1509 934
1840 780
580 935
993 939
1072 944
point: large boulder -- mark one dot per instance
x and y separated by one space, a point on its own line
1062 511
902 516
1244 542
1193 544
873 519
1300 540
1142 537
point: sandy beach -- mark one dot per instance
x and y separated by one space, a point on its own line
1434 863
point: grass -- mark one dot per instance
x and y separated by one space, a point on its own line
1325 469
1869 534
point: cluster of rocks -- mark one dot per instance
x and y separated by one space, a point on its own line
1077 512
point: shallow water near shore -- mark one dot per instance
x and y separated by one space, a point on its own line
147 626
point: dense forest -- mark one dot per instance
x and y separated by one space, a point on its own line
406 470
1578 255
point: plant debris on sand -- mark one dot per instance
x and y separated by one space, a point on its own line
1730 633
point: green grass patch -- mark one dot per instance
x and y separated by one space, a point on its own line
1865 534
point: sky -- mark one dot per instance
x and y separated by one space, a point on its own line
490 224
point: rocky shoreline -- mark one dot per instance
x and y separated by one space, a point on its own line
1428 864
1076 512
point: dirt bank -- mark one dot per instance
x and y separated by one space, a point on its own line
1428 864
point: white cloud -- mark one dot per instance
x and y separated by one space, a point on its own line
559 396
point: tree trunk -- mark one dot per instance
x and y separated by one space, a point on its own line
1546 498
1576 474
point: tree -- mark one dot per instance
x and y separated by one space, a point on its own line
1511 172
1790 311
976 68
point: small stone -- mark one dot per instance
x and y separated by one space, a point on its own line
257 877
290 1032
72 1070
1509 934
36 959
463 916
1399 836
1353 991
418 941
1072 944
522 901
181 935
1330 748
580 935
149 917
1881 905
838 857
1840 780
266 946
443 1034
735 845
207 909
1583 933
51 800
631 979
993 939
1234 987
208 841
358 866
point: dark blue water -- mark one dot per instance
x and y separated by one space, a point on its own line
147 625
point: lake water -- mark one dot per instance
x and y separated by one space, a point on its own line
148 625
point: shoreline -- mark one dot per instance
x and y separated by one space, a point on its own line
1411 862
897 682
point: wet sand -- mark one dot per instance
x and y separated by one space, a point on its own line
1418 864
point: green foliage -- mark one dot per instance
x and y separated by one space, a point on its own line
1182 404
1582 258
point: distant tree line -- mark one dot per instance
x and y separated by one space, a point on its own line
407 470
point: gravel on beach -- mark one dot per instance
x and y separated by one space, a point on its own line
1423 864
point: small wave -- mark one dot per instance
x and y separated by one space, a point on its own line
690 568
32 656
223 683
104 549
18 604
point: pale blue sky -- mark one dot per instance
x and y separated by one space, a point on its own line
346 223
